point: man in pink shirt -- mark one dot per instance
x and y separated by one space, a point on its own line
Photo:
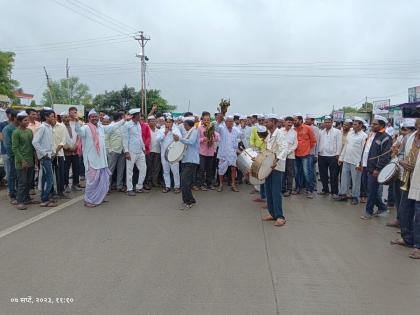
207 151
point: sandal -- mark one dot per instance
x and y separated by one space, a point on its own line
220 188
280 222
177 190
166 189
90 205
233 188
399 241
415 254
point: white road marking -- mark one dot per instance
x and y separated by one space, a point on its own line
38 217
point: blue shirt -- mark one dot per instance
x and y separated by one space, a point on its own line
7 138
3 124
192 140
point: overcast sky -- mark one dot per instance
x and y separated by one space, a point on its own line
290 55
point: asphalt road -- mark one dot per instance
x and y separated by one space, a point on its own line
142 255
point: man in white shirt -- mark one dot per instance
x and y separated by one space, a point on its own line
59 141
71 158
134 151
165 138
275 142
329 151
292 143
350 158
153 158
389 129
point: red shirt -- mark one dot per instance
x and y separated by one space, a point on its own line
147 137
306 140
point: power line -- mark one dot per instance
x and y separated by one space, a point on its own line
95 20
98 13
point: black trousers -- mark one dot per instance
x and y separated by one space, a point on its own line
289 175
72 161
24 183
187 180
328 171
153 168
58 167
206 170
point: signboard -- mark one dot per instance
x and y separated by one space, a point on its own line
379 107
59 108
414 94
338 116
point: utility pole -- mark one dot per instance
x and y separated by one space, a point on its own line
142 40
68 83
48 85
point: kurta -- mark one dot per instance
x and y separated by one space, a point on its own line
91 158
228 144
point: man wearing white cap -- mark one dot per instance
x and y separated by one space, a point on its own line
24 159
153 158
165 137
409 211
376 155
329 152
190 161
92 135
245 131
292 142
275 142
407 127
350 158
229 139
134 150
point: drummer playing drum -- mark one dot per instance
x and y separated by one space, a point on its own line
277 143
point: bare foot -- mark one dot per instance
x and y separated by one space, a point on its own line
267 218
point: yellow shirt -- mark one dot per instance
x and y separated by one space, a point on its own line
59 137
255 141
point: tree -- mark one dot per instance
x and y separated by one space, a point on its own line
128 98
153 97
70 91
7 84
348 109
366 107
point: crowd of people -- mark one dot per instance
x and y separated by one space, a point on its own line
128 153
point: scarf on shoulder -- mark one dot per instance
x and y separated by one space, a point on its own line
95 137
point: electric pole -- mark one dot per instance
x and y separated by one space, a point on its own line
142 40
48 85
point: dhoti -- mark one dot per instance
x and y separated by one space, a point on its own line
97 185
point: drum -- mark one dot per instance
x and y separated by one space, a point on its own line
175 151
261 166
389 173
255 181
245 159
